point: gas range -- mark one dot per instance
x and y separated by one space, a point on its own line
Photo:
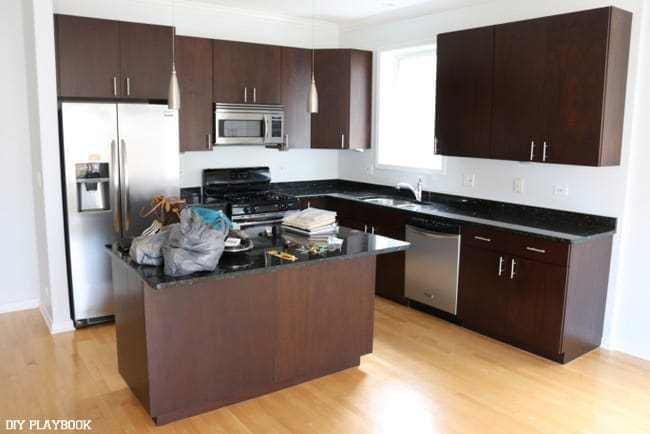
246 191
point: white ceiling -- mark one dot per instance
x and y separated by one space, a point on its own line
342 12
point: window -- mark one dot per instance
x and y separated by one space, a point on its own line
405 127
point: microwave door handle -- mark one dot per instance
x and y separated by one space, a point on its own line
266 133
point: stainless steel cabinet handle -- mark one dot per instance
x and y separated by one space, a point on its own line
512 268
372 230
342 141
286 141
116 187
536 250
532 150
128 86
429 295
365 228
245 95
254 94
544 148
487 240
209 140
308 204
126 220
431 234
114 85
501 261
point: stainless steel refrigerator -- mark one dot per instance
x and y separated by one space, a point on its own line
115 158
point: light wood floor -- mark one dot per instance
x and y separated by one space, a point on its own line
425 375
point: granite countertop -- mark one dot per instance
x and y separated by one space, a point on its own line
556 225
355 244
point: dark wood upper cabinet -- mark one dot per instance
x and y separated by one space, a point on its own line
88 57
464 92
518 90
584 89
194 69
344 79
296 79
146 54
112 59
247 73
558 89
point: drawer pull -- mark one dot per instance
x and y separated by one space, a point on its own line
429 295
487 240
536 250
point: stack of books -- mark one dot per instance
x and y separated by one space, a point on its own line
316 224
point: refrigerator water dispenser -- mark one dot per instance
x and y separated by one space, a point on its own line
93 187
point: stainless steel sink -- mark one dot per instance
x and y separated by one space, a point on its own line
389 201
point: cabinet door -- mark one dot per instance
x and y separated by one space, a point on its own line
360 100
519 58
483 288
264 73
146 60
296 79
573 91
535 305
194 69
464 92
229 71
88 57
329 127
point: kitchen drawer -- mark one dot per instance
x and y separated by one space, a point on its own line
523 246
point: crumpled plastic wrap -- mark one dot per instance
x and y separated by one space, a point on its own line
193 245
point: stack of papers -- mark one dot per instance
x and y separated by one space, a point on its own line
312 222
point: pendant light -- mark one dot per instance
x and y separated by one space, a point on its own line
174 92
312 100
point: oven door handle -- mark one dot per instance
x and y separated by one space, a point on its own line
266 222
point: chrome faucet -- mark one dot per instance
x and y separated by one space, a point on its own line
417 191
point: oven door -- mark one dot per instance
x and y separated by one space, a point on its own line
240 128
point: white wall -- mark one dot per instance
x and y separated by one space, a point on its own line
631 330
194 19
592 190
46 176
17 258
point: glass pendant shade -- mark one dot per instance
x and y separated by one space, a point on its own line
312 100
174 93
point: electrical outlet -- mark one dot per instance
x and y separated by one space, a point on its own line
469 180
561 190
518 185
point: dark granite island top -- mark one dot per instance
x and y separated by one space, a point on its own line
356 244
193 344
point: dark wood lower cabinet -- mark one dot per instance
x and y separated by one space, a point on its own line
189 349
482 300
553 305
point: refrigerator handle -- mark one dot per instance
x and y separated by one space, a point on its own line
126 222
116 187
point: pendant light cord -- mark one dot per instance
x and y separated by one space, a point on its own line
173 32
313 15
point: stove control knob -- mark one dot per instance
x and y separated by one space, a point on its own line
246 210
252 209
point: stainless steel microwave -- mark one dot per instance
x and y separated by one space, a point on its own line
248 124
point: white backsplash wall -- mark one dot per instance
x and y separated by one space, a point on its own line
291 165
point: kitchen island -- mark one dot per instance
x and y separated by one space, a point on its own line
256 324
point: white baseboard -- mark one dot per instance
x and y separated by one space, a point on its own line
58 327
21 305
633 349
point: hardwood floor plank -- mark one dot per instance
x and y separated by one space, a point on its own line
425 375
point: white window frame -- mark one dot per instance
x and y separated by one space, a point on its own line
442 170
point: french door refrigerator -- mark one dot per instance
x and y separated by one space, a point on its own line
115 158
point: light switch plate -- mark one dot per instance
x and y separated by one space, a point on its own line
561 190
518 185
469 180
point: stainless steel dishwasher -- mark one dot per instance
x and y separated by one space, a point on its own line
431 275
